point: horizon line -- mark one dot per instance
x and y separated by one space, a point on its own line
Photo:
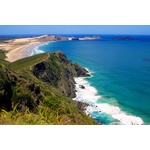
72 34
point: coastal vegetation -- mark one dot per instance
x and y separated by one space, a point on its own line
39 90
2 58
2 54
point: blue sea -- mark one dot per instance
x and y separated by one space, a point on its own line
118 90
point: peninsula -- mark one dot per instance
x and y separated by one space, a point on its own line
39 89
14 48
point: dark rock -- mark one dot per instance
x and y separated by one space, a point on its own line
62 57
80 71
82 87
80 105
58 71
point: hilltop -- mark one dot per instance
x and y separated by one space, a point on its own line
39 90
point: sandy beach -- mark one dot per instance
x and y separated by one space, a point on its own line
15 48
20 47
19 52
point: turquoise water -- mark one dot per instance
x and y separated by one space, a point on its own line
120 74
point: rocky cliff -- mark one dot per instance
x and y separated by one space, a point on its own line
58 71
37 90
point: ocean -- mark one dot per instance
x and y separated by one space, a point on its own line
118 90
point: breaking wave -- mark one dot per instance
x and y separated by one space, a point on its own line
89 94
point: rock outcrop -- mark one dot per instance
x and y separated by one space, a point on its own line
58 71
81 105
23 101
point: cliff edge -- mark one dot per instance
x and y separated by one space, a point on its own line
58 71
39 90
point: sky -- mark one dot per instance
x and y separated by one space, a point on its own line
75 29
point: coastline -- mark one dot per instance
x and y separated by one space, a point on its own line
20 52
95 108
29 50
18 48
90 96
25 49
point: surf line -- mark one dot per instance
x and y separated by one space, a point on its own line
89 94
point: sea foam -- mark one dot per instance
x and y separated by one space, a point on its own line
89 94
116 113
35 49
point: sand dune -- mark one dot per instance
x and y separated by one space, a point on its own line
15 48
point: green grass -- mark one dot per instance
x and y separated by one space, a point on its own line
54 108
2 54
2 58
24 68
28 62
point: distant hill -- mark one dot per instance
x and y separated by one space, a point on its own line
46 38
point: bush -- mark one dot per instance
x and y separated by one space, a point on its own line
51 102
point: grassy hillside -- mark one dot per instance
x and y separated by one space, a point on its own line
2 57
2 54
35 90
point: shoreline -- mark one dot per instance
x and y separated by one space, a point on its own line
95 108
30 48
26 49
20 52
18 48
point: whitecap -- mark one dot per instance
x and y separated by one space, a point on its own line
89 71
89 94
118 114
35 50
